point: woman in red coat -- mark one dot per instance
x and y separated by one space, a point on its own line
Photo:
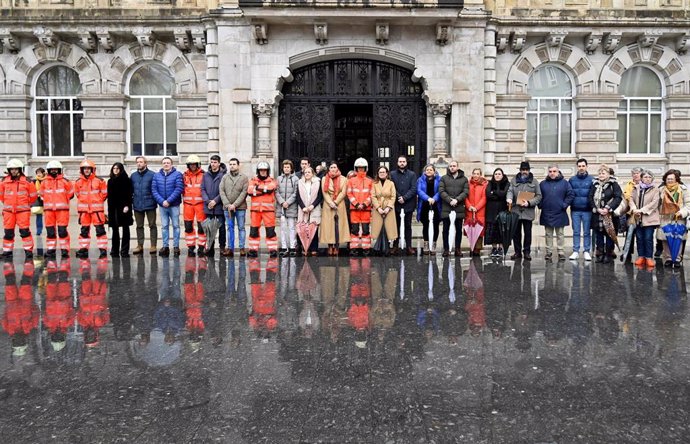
475 205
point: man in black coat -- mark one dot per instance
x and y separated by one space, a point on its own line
406 190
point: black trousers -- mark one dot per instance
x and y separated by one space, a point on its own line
520 244
115 241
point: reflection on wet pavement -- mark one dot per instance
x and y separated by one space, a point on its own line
342 349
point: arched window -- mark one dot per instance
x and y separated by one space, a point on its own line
639 113
549 111
152 112
58 113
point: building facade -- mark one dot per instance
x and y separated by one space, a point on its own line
488 83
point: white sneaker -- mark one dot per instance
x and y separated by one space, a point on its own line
575 256
588 257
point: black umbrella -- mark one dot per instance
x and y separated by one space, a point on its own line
381 244
507 226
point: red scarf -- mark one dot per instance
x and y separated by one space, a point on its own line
336 183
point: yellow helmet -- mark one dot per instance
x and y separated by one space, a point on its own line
193 158
15 163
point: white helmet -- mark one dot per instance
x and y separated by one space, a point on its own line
53 165
361 163
15 163
193 158
263 165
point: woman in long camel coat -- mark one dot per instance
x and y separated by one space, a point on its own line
383 203
334 189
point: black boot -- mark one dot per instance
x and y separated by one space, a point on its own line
191 252
104 253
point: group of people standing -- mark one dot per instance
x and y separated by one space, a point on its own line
338 210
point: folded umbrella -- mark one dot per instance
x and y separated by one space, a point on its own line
402 280
610 229
451 233
381 244
401 243
473 229
507 226
451 283
628 238
472 280
674 233
431 230
210 227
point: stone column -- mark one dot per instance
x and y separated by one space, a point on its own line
263 111
490 97
597 127
213 96
440 112
15 131
678 132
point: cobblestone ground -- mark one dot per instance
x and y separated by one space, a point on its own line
380 349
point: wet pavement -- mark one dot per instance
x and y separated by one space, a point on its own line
342 350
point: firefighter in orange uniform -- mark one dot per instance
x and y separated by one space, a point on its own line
91 192
93 312
194 206
17 194
56 192
21 312
261 189
59 310
359 190
360 300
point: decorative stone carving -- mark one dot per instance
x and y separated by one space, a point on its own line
682 44
321 33
198 34
502 41
440 109
46 36
592 42
182 39
264 111
87 40
144 35
105 39
443 33
648 39
9 41
611 42
260 33
382 32
517 41
287 75
556 38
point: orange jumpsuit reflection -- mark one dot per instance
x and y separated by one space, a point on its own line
21 312
93 311
263 317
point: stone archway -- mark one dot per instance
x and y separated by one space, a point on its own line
343 108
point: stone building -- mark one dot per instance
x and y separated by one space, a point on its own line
487 83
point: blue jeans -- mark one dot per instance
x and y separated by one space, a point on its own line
581 226
170 214
645 241
39 224
238 219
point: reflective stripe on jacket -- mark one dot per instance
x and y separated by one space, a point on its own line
17 194
56 193
91 194
192 187
262 193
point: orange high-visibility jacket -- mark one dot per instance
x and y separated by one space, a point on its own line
17 194
359 190
56 193
262 193
91 194
192 187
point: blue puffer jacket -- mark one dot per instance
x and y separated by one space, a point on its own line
556 197
168 187
143 195
423 197
581 186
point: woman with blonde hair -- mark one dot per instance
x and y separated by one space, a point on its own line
604 197
383 206
644 209
309 200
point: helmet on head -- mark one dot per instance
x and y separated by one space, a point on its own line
53 165
15 163
193 158
86 163
361 163
263 165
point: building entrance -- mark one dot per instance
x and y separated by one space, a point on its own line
344 109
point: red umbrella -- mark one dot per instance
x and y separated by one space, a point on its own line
473 229
306 232
306 281
473 281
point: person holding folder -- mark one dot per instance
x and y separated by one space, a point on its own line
523 197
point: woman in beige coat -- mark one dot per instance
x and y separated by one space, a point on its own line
383 206
334 189
644 207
